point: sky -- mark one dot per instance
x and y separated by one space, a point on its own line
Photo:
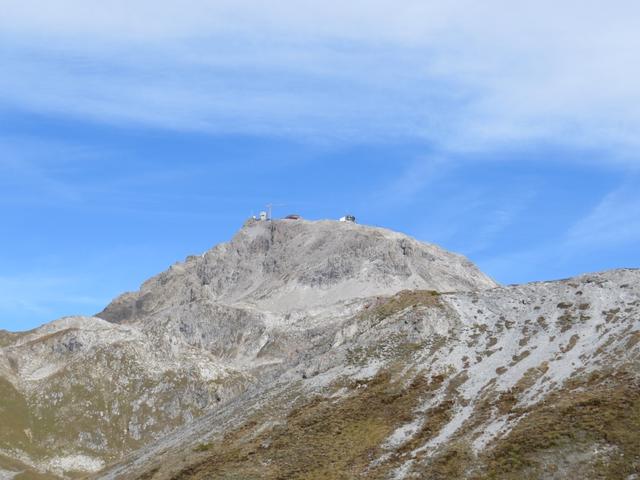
133 134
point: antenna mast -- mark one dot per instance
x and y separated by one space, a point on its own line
270 208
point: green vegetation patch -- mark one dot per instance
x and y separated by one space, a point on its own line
7 338
597 411
588 430
403 300
26 472
15 423
322 438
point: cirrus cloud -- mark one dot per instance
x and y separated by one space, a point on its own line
460 75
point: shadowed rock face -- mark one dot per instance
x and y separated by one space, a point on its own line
348 347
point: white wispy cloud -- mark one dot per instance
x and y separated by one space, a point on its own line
463 75
614 221
36 293
31 170
410 182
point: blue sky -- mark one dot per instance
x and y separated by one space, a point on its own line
134 135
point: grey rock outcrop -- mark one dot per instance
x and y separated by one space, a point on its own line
289 312
284 266
529 381
85 391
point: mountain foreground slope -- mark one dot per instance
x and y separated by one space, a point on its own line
330 350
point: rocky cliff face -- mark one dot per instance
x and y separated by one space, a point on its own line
299 266
331 350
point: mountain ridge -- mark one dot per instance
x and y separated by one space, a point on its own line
225 341
495 358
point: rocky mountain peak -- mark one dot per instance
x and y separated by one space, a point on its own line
288 265
309 349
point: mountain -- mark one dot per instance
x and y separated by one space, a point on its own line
331 350
299 266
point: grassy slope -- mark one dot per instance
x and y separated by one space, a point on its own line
328 439
26 473
559 437
15 420
588 429
319 439
72 404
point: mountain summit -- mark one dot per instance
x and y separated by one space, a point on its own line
330 350
284 266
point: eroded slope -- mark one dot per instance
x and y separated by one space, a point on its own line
82 392
532 381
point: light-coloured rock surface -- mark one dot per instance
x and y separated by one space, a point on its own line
483 361
86 390
231 347
287 267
